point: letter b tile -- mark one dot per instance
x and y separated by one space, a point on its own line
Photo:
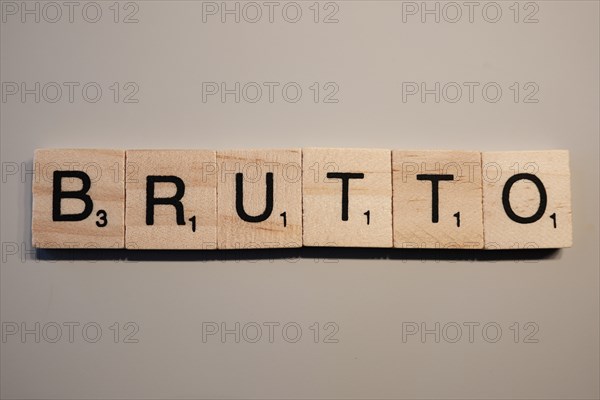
260 198
78 198
171 199
347 197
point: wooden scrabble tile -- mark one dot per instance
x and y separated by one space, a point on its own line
171 199
527 199
437 199
78 198
347 197
260 198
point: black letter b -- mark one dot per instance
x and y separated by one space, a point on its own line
58 194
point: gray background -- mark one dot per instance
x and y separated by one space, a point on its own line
369 296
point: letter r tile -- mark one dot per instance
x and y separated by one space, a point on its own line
171 199
78 198
527 199
260 198
437 199
347 197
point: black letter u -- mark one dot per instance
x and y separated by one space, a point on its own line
239 199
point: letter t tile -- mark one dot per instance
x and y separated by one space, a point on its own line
347 197
437 199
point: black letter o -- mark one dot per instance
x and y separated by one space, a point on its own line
506 198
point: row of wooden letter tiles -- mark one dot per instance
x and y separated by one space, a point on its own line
256 198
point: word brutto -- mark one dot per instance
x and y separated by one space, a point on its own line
244 199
